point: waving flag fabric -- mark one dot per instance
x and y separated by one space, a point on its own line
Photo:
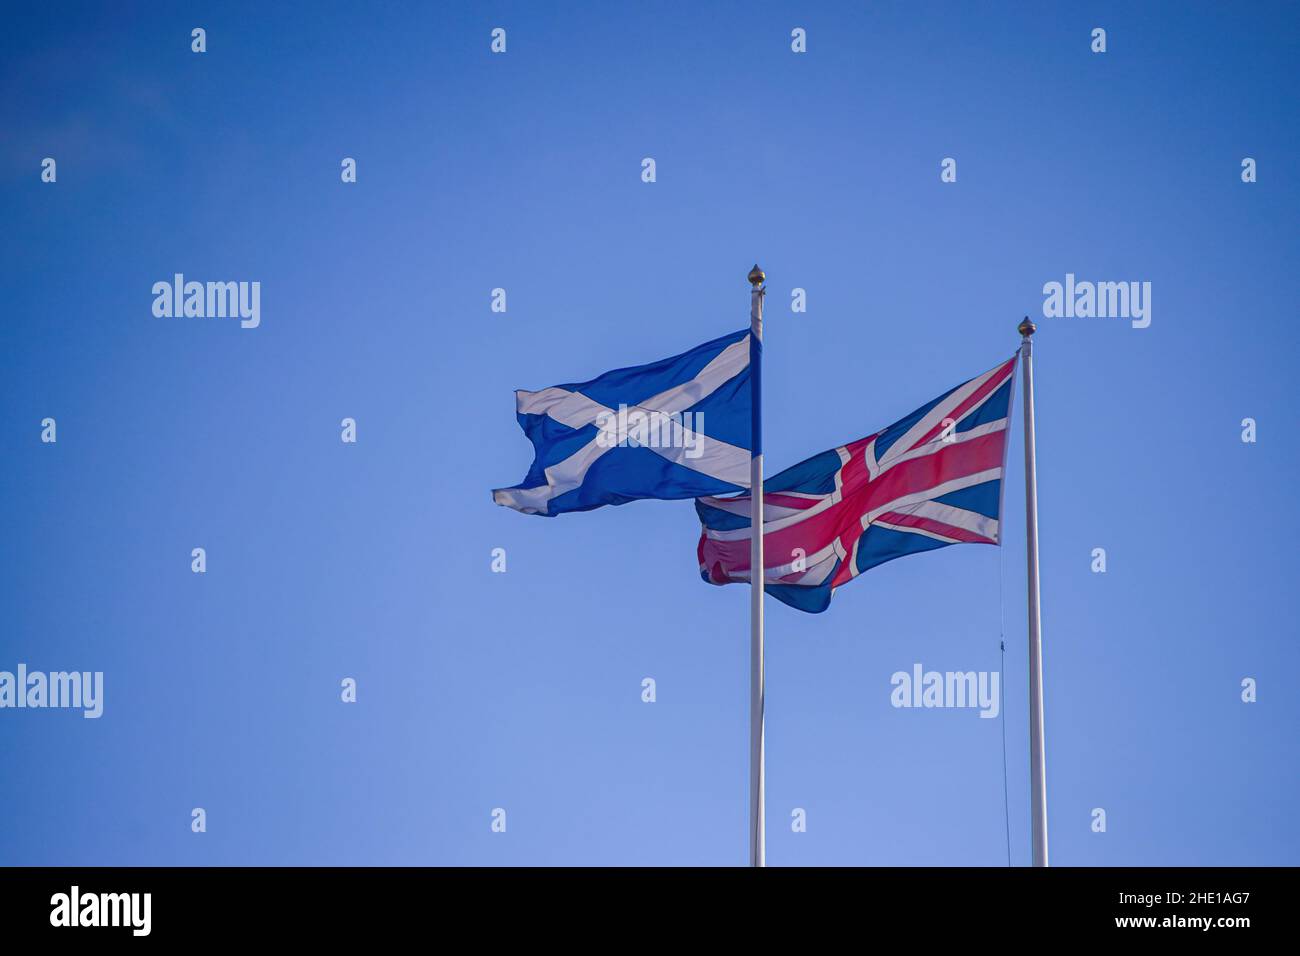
932 479
677 428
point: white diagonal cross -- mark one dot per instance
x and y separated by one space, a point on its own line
719 459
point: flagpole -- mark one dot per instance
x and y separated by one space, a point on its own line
757 848
1037 750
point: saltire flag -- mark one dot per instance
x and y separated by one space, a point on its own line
676 428
931 479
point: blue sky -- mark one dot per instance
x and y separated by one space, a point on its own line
522 171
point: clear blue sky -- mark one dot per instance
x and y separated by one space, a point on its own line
522 690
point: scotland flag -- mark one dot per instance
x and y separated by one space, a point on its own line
677 428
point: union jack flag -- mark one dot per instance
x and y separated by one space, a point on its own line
930 480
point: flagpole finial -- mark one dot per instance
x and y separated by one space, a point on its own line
1026 328
756 275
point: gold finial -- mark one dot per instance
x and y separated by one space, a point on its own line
1026 328
756 275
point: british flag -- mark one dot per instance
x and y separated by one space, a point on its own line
932 479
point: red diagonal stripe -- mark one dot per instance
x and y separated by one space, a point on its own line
995 381
938 527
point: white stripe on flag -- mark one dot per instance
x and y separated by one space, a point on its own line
717 459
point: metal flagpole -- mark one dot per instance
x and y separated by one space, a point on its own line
1037 752
757 850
